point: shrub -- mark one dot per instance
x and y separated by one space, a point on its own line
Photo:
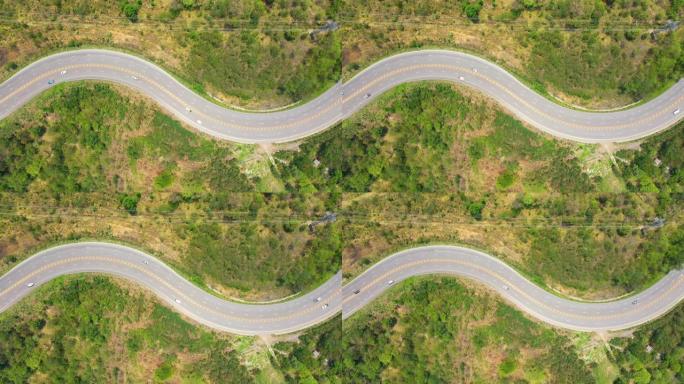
129 202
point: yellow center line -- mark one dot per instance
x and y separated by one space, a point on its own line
173 96
337 102
176 291
459 69
520 291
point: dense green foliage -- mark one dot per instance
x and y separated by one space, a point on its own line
65 144
658 169
352 156
130 9
422 122
129 202
585 61
79 137
427 333
72 333
316 357
85 146
320 69
655 353
472 8
224 62
565 61
240 256
666 65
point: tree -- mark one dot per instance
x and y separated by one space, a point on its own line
130 9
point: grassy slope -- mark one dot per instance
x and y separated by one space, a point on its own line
93 329
84 147
431 163
488 165
584 52
439 330
427 163
215 46
258 54
424 330
84 161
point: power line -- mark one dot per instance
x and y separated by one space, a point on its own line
237 24
559 222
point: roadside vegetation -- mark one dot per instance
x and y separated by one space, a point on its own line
441 330
100 329
599 54
85 161
95 329
246 53
655 352
434 163
438 330
427 163
88 329
259 54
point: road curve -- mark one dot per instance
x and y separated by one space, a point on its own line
527 296
165 283
305 311
342 100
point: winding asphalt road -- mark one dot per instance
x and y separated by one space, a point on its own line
342 100
170 287
337 103
306 310
527 296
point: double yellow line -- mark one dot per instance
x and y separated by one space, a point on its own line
504 281
463 70
176 291
447 67
331 299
